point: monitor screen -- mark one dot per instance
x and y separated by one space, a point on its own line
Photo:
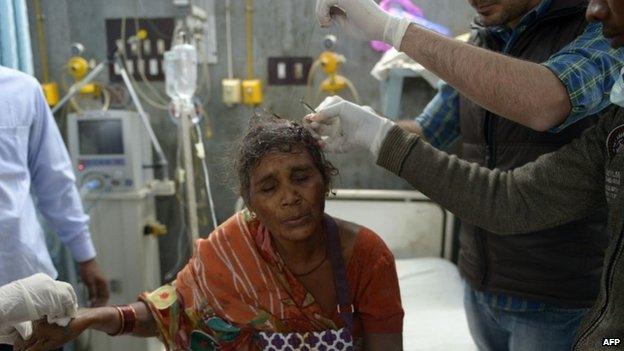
100 137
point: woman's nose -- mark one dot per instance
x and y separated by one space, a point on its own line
291 196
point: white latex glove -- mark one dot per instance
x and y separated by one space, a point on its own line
36 297
366 18
343 126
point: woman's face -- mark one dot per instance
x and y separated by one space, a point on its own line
287 193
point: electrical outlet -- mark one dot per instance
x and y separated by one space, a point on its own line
231 91
252 92
289 70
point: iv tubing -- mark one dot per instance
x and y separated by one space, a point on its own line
146 123
200 139
354 92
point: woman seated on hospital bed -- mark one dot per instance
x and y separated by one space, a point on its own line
281 275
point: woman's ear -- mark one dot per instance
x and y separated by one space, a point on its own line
330 192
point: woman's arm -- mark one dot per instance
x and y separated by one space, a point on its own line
105 319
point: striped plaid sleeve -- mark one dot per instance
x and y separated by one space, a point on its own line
440 119
588 67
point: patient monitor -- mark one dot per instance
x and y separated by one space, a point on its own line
111 147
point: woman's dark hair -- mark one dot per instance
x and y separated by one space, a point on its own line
271 134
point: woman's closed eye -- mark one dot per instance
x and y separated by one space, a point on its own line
300 177
267 188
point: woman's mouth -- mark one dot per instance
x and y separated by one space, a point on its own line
297 220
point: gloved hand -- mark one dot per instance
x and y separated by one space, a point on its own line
347 126
367 18
36 297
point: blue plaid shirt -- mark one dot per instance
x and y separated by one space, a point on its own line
587 66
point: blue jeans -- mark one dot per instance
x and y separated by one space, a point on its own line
499 323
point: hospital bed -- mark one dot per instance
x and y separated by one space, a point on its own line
419 234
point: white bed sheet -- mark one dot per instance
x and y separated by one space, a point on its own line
432 296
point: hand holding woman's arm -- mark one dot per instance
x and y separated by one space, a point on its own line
105 319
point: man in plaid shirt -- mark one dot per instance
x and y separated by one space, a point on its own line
584 70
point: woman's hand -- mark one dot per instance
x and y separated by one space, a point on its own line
48 336
105 319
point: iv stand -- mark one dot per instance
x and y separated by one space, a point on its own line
186 114
185 134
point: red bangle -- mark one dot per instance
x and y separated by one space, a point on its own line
121 322
128 317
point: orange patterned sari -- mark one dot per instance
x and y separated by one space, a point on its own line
237 284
